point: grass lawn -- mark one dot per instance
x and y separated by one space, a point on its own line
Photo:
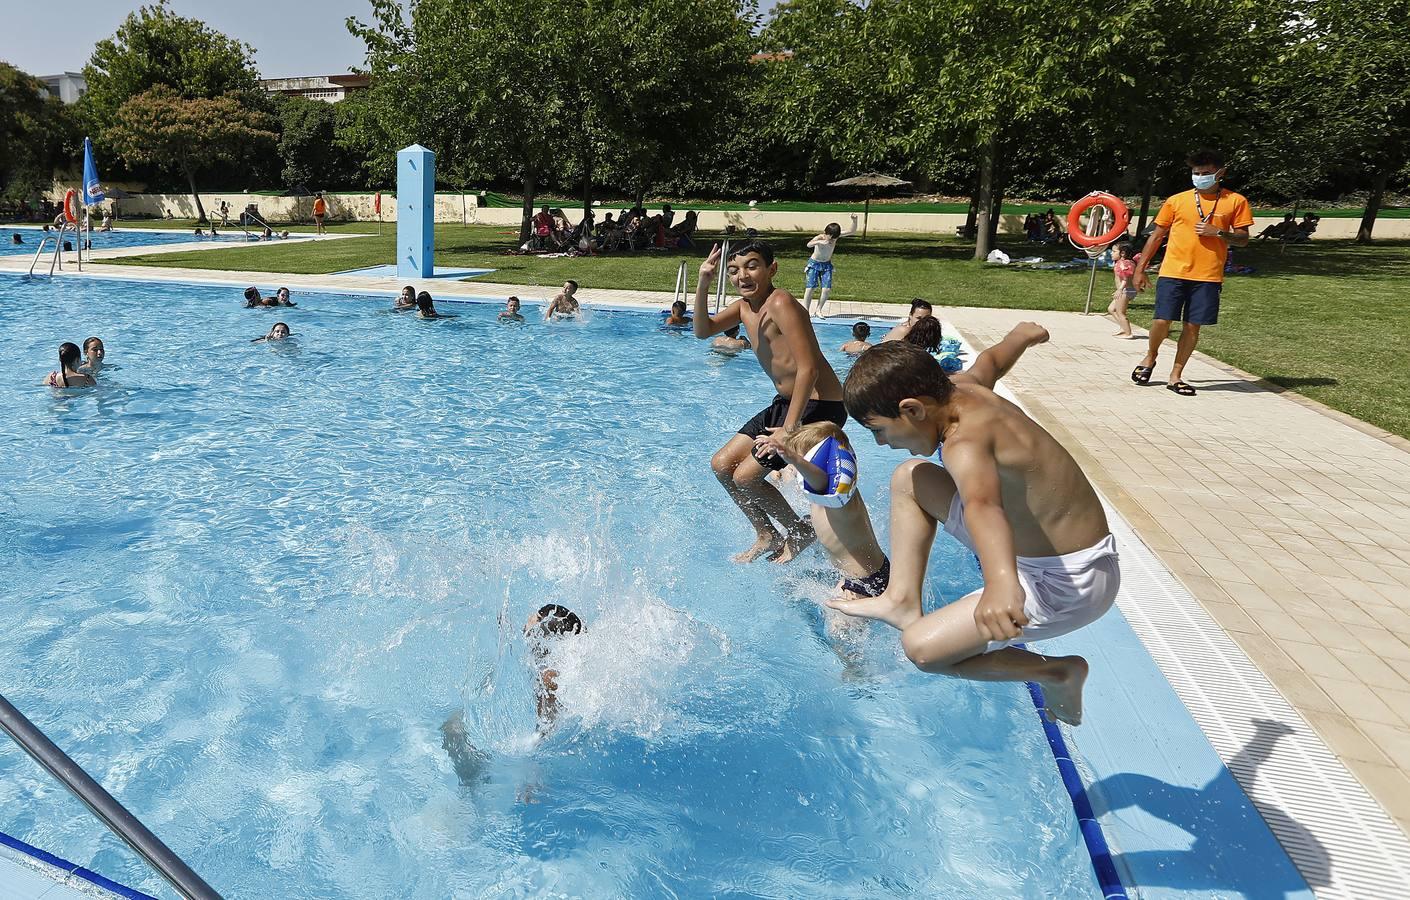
1330 320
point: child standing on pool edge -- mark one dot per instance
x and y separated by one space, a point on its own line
818 272
1009 492
807 391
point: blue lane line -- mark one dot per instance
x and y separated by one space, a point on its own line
1107 877
73 868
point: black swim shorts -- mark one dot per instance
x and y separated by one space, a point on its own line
772 416
874 585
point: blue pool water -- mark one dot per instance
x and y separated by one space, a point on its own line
247 583
109 240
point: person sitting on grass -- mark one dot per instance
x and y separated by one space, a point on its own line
925 334
859 343
920 309
510 313
730 343
1010 493
677 318
279 332
426 309
564 304
1279 230
67 375
406 300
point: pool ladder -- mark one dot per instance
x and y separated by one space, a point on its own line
57 262
682 280
99 802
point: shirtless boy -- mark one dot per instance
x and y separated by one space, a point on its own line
510 313
1010 493
677 318
564 305
808 391
859 343
818 272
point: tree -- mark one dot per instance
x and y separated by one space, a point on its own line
161 127
485 85
36 133
154 46
309 148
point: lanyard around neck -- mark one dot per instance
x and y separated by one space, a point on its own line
1199 207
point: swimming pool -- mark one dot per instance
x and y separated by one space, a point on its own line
251 581
108 240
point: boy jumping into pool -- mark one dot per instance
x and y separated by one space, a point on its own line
1009 492
808 391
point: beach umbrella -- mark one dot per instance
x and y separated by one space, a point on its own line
114 193
870 182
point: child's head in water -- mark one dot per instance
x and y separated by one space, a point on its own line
926 334
511 306
278 332
553 620
732 332
861 331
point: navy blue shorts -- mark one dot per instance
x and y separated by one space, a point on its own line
1179 300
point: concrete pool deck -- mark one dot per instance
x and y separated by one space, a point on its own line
1289 522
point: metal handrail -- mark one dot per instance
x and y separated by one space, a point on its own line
724 266
99 802
44 239
58 249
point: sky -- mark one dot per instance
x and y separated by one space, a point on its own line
290 37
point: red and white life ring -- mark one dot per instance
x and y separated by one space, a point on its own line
70 210
1121 217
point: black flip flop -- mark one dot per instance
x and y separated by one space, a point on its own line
1142 375
1181 388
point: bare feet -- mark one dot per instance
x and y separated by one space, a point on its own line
770 543
1121 334
1063 689
893 609
798 539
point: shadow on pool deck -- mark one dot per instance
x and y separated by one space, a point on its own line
1199 813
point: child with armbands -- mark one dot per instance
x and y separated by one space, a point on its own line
828 466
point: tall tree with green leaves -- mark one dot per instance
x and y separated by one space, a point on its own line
487 86
309 147
161 127
36 134
155 46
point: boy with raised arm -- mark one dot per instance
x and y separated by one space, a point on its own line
1009 492
807 391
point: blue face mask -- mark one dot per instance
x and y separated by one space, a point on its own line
1204 182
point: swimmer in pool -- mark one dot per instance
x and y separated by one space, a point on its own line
564 304
859 343
281 298
67 375
253 298
510 313
730 343
1010 493
677 318
426 308
550 624
278 333
920 309
406 300
93 353
16 239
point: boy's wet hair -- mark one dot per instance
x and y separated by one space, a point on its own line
1205 157
891 372
573 283
513 300
918 303
252 294
732 331
833 230
678 305
766 253
926 334
861 331
556 619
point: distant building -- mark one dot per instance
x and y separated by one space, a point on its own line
328 88
67 86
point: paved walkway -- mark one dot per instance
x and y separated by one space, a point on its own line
1289 522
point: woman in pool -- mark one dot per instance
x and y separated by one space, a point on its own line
281 298
426 309
93 354
278 333
67 375
405 300
925 334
